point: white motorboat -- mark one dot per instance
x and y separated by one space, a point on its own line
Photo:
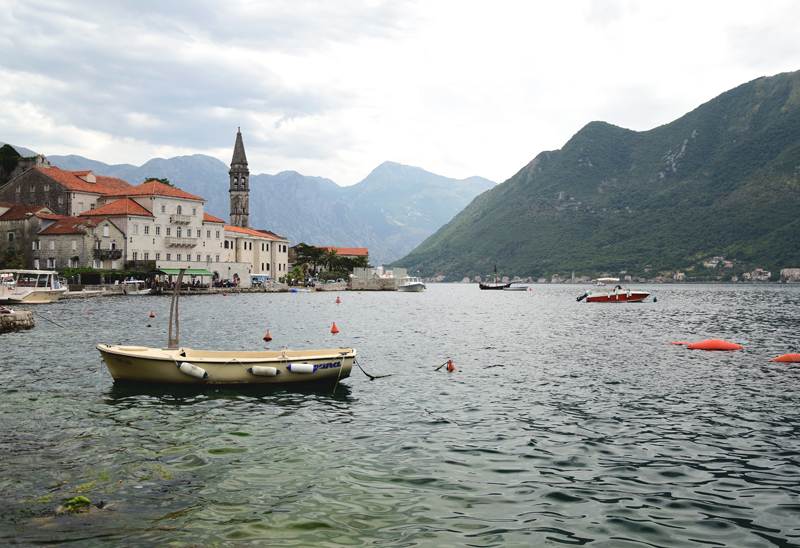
30 286
135 287
411 283
617 294
513 287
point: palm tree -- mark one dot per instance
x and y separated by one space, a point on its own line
332 258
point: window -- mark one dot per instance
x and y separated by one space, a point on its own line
208 258
217 257
168 256
208 234
10 236
198 233
146 256
217 234
51 263
178 233
52 245
113 265
198 257
46 188
18 189
168 230
60 200
146 230
226 244
179 210
177 256
267 247
91 206
74 245
158 231
134 255
194 211
96 264
158 256
136 229
163 209
37 245
105 231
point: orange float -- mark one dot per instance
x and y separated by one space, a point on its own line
714 344
334 329
267 337
787 358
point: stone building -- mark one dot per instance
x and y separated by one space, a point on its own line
64 192
78 242
240 185
19 225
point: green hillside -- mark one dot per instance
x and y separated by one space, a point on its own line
723 180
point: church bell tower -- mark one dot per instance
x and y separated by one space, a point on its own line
240 185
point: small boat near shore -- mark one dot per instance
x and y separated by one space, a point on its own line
177 365
30 286
411 284
617 294
135 287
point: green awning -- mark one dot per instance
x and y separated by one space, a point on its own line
189 271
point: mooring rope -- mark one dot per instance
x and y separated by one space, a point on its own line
371 377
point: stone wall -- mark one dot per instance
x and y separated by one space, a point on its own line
21 319
374 284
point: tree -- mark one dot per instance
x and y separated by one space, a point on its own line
314 256
332 258
12 259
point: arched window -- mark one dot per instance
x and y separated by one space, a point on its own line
179 212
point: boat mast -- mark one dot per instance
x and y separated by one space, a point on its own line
172 343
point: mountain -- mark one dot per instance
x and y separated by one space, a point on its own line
390 212
722 180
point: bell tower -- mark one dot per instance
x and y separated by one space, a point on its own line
240 185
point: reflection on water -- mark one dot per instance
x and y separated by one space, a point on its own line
564 422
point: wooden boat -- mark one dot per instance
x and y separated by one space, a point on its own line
513 287
176 365
618 294
30 286
496 284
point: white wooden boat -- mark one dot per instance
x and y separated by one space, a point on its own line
513 287
188 366
176 365
411 283
30 286
134 287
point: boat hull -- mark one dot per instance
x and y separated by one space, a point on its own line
412 288
161 366
34 297
621 297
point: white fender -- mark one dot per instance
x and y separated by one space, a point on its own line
264 371
301 367
193 370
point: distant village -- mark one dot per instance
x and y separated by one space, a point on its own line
57 219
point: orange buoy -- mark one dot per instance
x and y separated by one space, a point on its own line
787 358
714 344
334 329
152 315
224 294
267 336
450 366
337 300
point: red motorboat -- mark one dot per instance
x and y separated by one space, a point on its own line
617 294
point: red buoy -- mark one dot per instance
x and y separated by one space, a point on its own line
450 366
152 315
787 358
334 329
714 344
337 300
267 336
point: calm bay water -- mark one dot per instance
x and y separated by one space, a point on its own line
564 423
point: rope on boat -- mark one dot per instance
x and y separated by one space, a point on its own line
371 377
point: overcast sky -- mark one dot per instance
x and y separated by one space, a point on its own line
335 88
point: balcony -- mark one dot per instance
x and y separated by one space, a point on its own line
181 242
112 254
185 219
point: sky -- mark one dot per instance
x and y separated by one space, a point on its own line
459 88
